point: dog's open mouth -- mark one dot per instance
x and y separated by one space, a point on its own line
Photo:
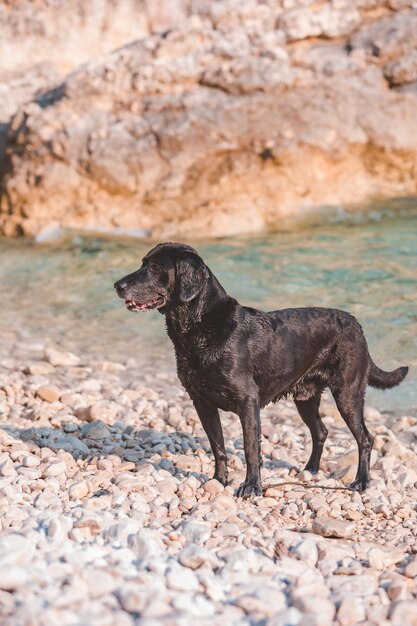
133 305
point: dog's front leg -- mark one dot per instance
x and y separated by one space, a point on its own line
210 420
251 425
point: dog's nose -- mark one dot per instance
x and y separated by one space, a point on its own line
120 286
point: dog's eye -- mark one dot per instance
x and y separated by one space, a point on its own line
152 267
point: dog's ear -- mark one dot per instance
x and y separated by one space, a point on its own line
191 273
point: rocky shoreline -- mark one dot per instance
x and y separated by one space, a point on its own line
109 516
229 118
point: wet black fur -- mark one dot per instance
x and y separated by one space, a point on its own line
239 359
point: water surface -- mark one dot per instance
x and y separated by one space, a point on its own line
367 265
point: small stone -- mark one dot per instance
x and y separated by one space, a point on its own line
403 613
397 590
100 583
140 505
95 430
90 384
411 568
407 478
345 474
381 559
104 411
305 476
31 473
287 617
58 529
92 525
350 459
193 556
118 498
69 444
30 460
105 464
196 606
112 366
222 503
54 469
15 549
71 398
307 551
321 607
7 469
48 393
351 611
70 427
133 599
266 502
377 613
63 359
213 486
40 368
83 413
78 490
195 532
188 462
181 579
13 577
359 585
329 527
228 530
145 544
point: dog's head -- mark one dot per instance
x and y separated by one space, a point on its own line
171 274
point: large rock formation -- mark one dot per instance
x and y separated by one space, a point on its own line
42 40
230 117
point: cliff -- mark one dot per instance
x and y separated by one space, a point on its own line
220 118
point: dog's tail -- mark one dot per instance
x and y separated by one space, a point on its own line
385 380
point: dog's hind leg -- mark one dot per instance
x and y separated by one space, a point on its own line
309 412
350 402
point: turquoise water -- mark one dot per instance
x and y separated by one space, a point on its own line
367 265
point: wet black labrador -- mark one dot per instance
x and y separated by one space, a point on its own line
239 359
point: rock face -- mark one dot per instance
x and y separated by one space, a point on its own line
229 118
42 41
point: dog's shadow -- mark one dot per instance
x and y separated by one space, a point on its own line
140 445
87 449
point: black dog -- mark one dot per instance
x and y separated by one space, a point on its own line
239 359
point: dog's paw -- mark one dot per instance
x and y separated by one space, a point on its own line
313 469
249 488
222 478
360 484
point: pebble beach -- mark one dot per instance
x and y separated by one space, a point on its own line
109 516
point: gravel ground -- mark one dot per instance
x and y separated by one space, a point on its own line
108 516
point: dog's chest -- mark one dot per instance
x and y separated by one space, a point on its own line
204 380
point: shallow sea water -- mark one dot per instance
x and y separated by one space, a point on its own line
366 264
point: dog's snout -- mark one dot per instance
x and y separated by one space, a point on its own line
120 286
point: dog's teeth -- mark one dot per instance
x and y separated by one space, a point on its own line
132 305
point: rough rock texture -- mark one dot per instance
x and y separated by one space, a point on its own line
42 41
237 116
117 524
